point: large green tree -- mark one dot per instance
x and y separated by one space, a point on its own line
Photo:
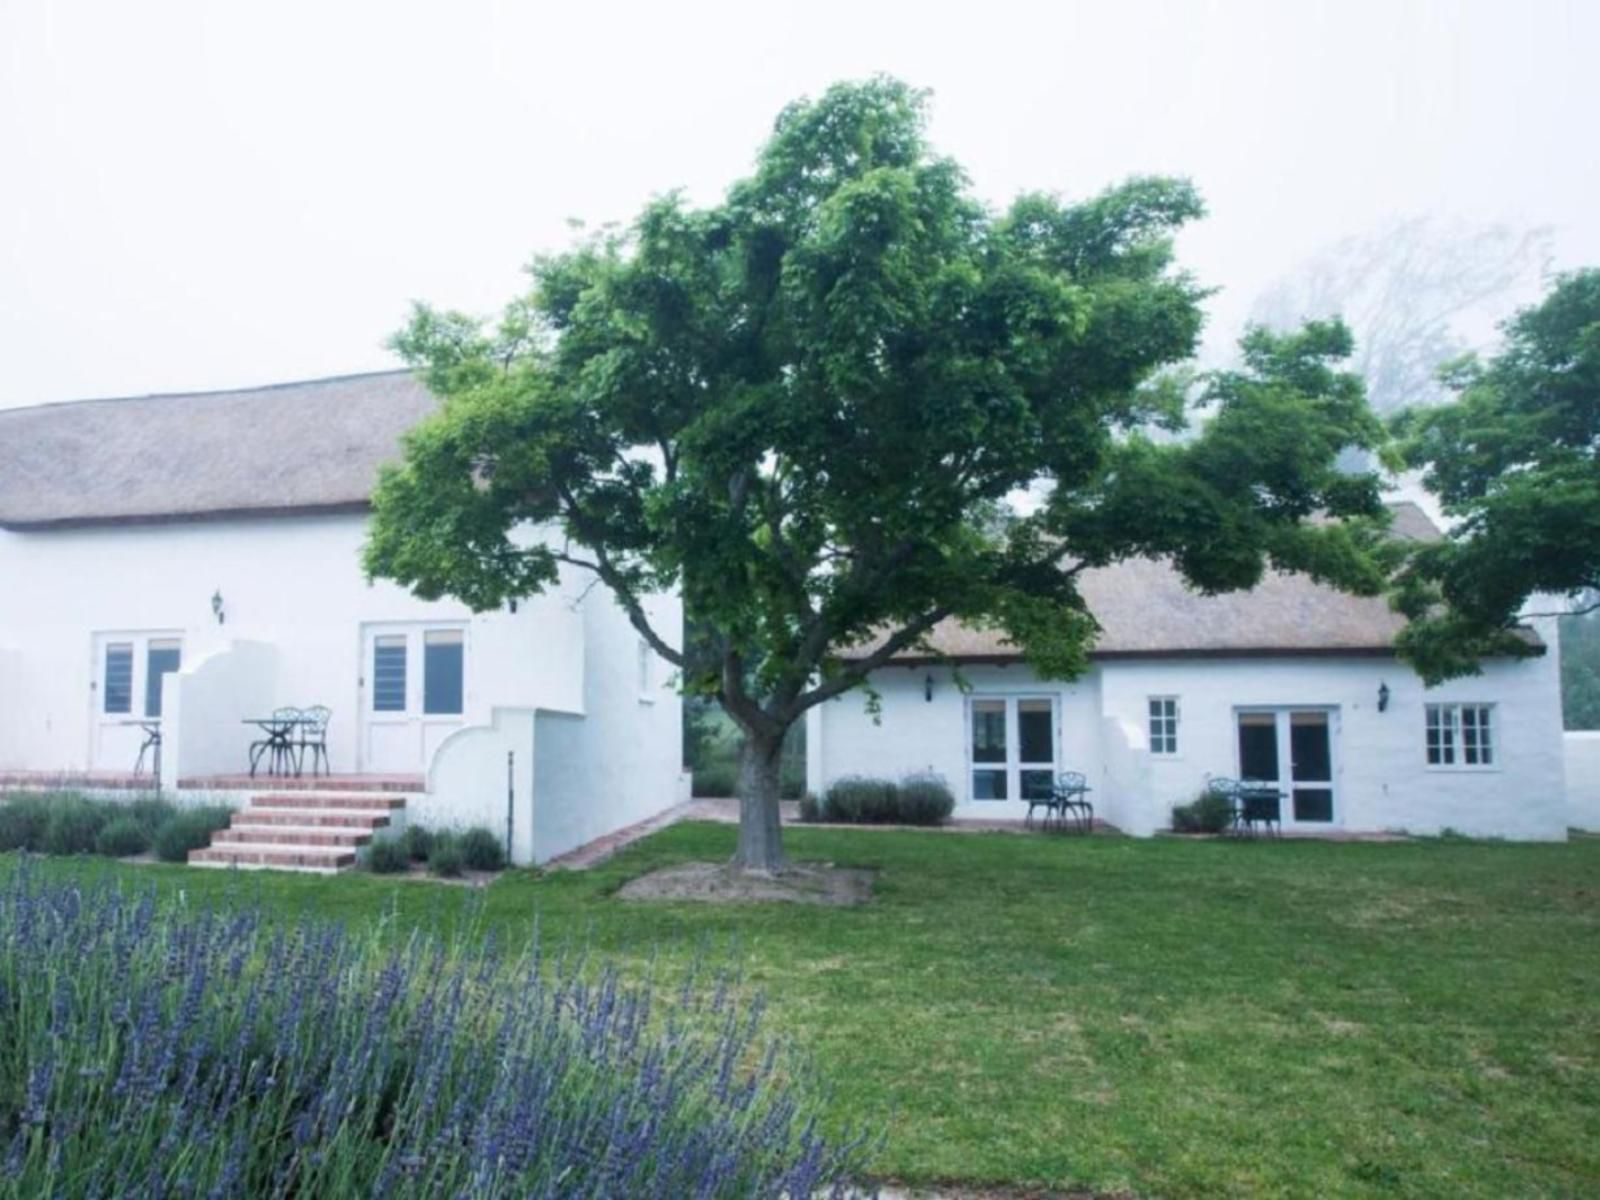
806 406
1515 460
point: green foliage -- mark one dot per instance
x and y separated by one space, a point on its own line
1515 459
123 836
387 856
922 799
1206 813
804 407
73 825
22 821
189 829
418 842
481 850
810 808
446 859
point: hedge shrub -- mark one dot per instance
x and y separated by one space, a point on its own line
122 836
481 850
189 829
418 841
387 856
1206 813
73 825
922 799
445 859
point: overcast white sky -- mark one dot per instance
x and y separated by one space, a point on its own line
200 194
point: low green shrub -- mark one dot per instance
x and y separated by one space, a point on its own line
122 836
189 829
481 850
1206 813
73 825
716 780
446 859
925 799
810 807
858 800
418 841
387 856
149 811
22 822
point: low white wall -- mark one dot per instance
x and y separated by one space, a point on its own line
469 777
205 705
12 689
1582 748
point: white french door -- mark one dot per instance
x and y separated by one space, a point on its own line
126 694
1293 749
1012 747
413 693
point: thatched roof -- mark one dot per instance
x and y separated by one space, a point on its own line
1145 608
290 448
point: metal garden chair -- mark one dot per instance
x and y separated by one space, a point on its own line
313 736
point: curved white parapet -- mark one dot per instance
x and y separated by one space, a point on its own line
205 704
479 774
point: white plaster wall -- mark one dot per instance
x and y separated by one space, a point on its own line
1382 779
913 733
471 774
205 704
620 763
291 582
12 691
1583 779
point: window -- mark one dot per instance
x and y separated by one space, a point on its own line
119 677
162 657
443 672
1460 735
988 747
647 671
1163 724
389 674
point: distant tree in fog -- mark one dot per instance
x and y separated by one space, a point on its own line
1416 293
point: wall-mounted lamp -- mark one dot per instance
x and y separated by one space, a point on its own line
927 689
1383 697
216 606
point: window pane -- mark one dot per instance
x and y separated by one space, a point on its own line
1035 731
389 674
119 677
1485 737
442 663
162 657
1313 804
988 785
1309 748
1163 725
1258 746
989 732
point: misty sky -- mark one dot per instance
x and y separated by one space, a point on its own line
200 194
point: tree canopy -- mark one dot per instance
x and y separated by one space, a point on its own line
807 405
1515 459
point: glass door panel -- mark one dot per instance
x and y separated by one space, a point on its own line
1258 746
989 750
1311 764
1036 748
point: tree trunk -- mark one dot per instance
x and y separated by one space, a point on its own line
760 839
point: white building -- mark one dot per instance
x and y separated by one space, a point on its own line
1291 683
191 563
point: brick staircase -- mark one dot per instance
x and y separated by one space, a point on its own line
301 831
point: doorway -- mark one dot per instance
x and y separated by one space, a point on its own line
1293 749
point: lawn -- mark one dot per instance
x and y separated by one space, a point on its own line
1170 1017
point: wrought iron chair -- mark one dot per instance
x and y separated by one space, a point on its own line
1041 797
278 746
313 736
1072 800
151 746
1260 803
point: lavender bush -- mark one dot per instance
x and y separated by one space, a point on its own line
150 1050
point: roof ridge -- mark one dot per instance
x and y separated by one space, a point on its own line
232 391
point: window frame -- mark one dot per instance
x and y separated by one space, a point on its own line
1012 767
1452 737
1168 735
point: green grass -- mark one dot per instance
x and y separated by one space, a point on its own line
1171 1017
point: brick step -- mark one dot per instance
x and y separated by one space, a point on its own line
347 818
380 801
288 858
292 835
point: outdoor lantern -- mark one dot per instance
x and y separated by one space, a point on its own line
216 606
927 689
1383 697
